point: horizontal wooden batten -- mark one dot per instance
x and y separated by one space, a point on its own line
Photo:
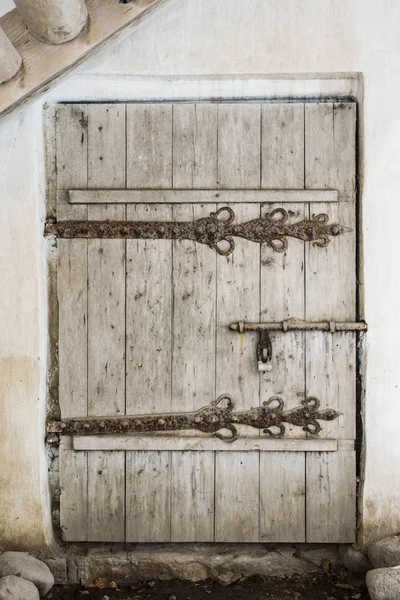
199 196
164 442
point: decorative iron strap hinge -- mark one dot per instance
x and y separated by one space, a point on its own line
217 416
216 231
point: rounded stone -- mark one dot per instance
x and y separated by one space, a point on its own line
384 584
16 588
385 552
27 567
354 560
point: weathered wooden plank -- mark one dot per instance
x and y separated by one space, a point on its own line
239 127
106 327
193 323
171 442
331 497
148 317
73 487
148 501
195 146
106 145
149 145
71 156
192 496
282 497
330 134
44 64
237 501
72 333
282 146
331 377
108 196
238 292
106 498
282 297
194 318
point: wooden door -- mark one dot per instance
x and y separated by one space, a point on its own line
155 323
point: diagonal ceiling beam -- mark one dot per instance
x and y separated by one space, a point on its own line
44 64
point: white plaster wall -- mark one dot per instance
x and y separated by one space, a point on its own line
24 499
200 38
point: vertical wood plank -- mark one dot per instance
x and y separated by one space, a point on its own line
106 496
148 317
237 502
282 505
194 320
192 497
71 160
148 514
330 134
195 146
72 335
239 127
106 327
73 487
282 144
282 500
148 375
331 498
106 146
149 145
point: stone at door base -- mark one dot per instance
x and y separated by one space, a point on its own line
354 560
16 588
27 567
384 584
385 552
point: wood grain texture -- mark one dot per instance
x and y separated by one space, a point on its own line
237 501
72 334
331 497
282 146
194 146
71 157
148 317
172 442
106 497
45 64
239 127
148 500
192 496
282 497
73 489
200 195
106 327
149 145
106 145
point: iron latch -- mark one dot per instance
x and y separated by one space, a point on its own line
264 352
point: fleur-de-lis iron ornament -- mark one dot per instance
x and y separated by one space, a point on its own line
218 416
216 231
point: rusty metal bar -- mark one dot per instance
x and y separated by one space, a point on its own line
297 325
213 419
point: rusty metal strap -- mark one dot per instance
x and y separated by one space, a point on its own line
298 325
217 231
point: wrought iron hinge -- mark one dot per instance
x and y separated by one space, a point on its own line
218 416
216 231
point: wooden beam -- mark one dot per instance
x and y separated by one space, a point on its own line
165 442
54 21
201 196
10 59
44 64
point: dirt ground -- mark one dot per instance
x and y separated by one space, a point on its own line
324 586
